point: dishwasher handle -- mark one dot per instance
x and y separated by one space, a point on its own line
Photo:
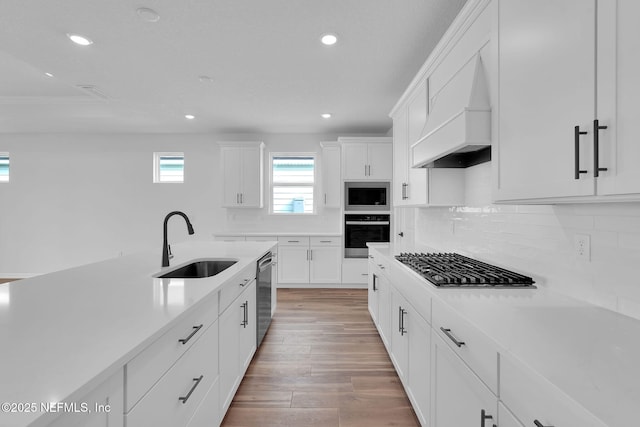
265 262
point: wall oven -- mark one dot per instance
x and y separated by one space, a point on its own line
360 229
367 196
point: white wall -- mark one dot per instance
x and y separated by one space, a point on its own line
75 199
539 241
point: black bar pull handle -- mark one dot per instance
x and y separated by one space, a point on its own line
185 398
577 132
375 282
448 333
483 417
539 424
596 148
195 331
402 329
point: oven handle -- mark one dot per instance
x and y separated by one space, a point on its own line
367 222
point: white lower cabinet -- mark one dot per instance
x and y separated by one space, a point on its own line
105 403
419 333
373 290
238 335
208 413
309 260
459 398
173 400
399 342
384 310
506 418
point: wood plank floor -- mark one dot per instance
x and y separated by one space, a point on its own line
321 364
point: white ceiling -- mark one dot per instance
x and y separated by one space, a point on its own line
270 73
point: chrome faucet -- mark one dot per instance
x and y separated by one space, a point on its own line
166 249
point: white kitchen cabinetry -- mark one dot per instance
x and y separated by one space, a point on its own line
418 332
355 271
331 178
399 327
531 398
458 396
373 291
238 333
242 170
105 403
309 260
506 418
583 68
367 158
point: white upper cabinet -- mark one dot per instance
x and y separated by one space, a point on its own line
242 170
367 158
561 76
331 179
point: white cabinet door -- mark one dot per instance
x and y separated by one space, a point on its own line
506 418
355 161
293 264
400 157
229 349
399 338
251 167
373 290
546 88
380 165
331 178
618 94
248 327
419 333
384 310
458 397
231 165
416 189
325 265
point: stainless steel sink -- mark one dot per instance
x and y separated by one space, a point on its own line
198 269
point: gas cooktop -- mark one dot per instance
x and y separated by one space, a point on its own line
453 270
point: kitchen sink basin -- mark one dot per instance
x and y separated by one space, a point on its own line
198 269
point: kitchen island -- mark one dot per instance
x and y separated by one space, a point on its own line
64 334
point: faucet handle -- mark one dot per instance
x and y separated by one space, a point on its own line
169 249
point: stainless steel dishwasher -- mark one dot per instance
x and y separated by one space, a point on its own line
263 289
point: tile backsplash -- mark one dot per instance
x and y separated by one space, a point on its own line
540 241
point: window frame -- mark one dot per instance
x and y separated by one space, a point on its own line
313 155
156 166
8 156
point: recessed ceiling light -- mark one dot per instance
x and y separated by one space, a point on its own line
326 115
189 116
329 39
81 40
48 74
205 79
147 14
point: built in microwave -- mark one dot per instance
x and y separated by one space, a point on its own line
367 196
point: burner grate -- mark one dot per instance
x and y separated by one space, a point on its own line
455 270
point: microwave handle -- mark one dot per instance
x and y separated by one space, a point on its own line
367 222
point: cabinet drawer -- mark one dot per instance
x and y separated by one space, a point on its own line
144 370
262 238
475 348
326 241
531 397
235 286
173 400
229 238
293 241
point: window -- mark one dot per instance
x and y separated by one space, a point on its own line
168 167
4 167
292 183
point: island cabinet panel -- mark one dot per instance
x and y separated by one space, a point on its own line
459 398
174 398
105 403
506 418
237 343
147 367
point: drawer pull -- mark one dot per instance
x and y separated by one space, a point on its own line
325 241
381 266
195 331
364 274
185 398
375 288
483 417
447 332
244 282
245 314
539 424
293 241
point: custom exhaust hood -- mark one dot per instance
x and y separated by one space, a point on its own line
457 133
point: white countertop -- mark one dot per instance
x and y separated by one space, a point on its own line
590 353
275 233
65 332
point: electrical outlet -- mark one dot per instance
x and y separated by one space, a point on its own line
582 245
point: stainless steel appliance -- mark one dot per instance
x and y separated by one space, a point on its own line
360 229
367 196
453 270
263 289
